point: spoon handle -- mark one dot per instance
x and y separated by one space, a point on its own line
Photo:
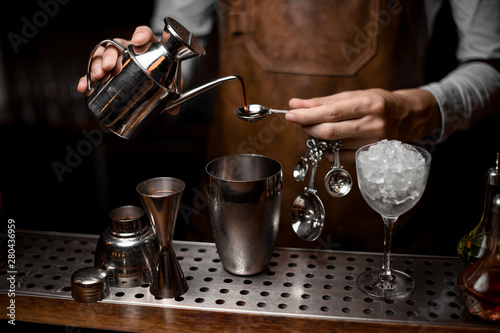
312 178
336 147
315 149
277 111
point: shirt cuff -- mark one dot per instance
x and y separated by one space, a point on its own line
466 95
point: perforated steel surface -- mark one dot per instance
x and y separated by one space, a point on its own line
306 283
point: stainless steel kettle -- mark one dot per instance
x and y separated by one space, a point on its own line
147 83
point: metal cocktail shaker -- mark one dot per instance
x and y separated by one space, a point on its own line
244 201
128 248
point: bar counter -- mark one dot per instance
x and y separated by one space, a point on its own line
303 290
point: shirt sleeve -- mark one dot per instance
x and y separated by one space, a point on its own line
478 27
196 15
465 96
472 91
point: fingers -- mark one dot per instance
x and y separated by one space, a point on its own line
357 129
357 117
348 143
335 108
335 121
143 35
111 58
96 72
142 38
318 114
297 103
346 156
106 60
82 84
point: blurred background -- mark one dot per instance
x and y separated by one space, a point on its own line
52 175
44 121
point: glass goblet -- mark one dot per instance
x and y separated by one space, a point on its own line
392 177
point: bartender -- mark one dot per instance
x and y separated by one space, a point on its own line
350 70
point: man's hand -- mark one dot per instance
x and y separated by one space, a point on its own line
106 59
366 116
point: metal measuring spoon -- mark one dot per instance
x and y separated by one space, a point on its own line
308 212
254 112
301 168
338 182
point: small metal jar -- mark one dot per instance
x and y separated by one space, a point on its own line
128 248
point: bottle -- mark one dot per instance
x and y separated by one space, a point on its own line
480 282
472 246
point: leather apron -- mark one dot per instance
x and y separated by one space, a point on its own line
303 48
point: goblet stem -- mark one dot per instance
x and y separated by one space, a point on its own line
386 275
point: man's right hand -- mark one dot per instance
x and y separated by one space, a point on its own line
106 59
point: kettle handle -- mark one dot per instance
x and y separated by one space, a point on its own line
115 43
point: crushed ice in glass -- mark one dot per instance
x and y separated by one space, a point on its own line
392 175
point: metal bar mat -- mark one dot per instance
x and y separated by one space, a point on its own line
299 282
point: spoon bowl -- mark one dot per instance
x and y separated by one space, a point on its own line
338 182
254 112
308 216
308 212
301 169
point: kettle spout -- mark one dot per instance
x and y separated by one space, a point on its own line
201 89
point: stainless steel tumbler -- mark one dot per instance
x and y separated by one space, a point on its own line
244 200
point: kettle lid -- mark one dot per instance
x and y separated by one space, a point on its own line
179 42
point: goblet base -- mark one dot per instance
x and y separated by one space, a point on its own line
374 285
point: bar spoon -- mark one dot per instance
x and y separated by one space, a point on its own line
254 112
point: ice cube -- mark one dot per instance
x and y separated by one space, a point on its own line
391 174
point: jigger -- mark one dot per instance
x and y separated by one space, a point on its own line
160 198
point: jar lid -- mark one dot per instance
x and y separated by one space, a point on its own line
127 219
89 284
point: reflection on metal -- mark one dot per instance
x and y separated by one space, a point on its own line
299 282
